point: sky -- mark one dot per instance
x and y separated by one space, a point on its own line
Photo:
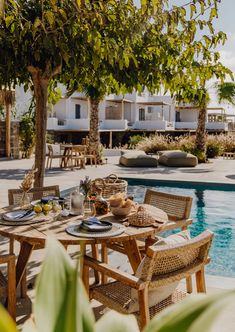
225 23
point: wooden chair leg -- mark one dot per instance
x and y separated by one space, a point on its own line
47 162
200 281
189 285
85 278
104 259
11 296
23 285
50 163
95 254
144 307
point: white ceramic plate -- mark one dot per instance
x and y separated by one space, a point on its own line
19 215
33 203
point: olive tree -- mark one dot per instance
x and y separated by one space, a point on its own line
34 43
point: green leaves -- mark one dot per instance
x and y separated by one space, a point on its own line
191 315
6 322
115 322
61 303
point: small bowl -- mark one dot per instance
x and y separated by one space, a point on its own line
120 211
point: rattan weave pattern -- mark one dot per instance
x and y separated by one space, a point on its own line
15 195
116 295
177 207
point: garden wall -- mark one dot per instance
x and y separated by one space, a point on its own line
14 139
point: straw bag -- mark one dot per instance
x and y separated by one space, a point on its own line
109 186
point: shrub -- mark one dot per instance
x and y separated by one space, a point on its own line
134 140
27 134
213 146
158 142
187 143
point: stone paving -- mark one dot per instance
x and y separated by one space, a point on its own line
217 171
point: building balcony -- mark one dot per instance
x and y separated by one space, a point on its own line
68 124
113 124
209 125
154 125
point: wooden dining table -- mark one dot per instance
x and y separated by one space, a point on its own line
36 234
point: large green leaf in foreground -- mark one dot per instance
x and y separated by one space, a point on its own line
194 314
6 322
61 303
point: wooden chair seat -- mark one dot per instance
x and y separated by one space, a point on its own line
115 295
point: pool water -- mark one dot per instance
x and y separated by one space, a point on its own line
213 208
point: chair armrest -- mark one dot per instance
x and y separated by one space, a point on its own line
114 273
7 258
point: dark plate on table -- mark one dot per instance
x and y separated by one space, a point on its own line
95 225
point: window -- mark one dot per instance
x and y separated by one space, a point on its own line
141 114
77 111
150 109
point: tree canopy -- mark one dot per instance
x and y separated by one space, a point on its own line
107 46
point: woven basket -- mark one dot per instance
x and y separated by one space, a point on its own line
109 186
141 218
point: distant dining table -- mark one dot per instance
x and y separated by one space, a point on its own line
72 153
36 233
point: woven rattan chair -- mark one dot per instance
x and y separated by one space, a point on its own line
177 207
15 197
8 284
162 266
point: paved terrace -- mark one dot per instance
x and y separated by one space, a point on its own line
217 171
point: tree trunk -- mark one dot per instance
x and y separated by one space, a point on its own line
41 93
8 130
201 133
94 135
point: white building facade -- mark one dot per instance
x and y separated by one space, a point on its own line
136 111
131 111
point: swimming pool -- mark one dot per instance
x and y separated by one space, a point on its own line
213 208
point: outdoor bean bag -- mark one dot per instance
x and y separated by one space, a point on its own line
178 159
138 159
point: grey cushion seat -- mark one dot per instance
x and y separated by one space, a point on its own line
138 159
178 159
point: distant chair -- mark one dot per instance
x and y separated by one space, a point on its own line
77 156
54 152
90 154
160 271
8 283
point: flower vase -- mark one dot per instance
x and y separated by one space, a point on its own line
25 200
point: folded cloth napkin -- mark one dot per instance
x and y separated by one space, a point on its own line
19 215
95 225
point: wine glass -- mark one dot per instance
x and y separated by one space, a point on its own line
88 209
56 209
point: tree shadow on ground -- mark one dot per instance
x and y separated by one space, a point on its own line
18 174
231 176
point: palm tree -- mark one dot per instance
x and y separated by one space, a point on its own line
226 92
7 99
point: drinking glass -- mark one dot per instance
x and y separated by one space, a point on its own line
56 209
88 209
